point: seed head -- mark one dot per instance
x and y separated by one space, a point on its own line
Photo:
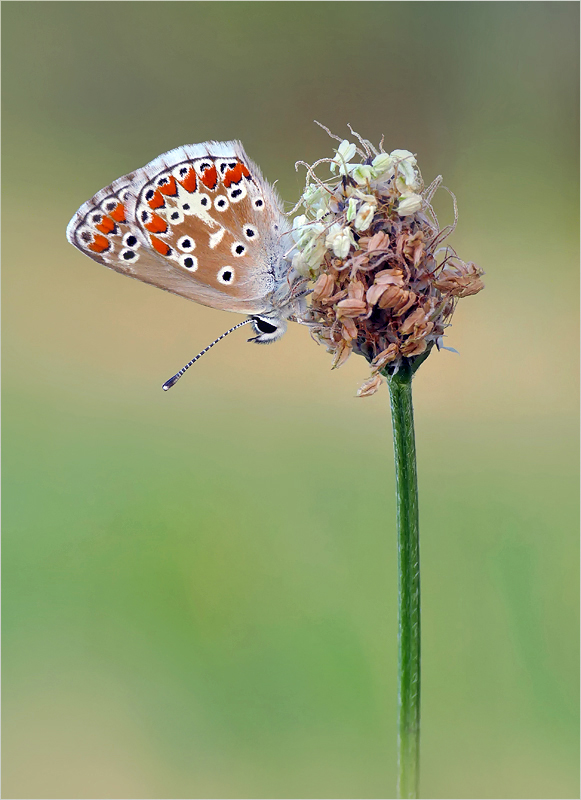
385 287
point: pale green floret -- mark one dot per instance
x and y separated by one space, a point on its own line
339 240
379 169
345 153
308 262
305 229
300 265
404 187
314 255
406 163
381 164
362 173
302 230
310 242
299 224
316 198
409 203
351 209
364 216
382 167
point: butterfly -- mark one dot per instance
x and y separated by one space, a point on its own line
201 222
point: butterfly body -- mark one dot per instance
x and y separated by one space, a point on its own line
201 222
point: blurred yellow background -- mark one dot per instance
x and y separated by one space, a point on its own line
200 586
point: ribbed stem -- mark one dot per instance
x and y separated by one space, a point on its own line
408 546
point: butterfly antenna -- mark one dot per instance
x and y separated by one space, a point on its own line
172 381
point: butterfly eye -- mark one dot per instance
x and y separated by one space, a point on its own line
250 232
189 262
269 329
130 240
186 244
226 276
258 202
221 203
236 192
264 326
238 249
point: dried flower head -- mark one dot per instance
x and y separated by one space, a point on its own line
385 287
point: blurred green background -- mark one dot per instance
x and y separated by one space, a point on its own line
200 586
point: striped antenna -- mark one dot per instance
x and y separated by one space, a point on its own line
172 381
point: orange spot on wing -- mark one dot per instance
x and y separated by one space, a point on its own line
119 213
189 182
106 225
156 224
233 175
210 177
170 188
245 171
160 246
156 201
99 244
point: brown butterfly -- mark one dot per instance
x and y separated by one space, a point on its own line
199 221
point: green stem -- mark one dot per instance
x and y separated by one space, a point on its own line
408 545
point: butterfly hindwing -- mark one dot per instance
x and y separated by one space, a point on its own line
199 221
102 230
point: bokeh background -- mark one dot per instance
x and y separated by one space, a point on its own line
200 586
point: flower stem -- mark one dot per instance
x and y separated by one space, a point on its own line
408 545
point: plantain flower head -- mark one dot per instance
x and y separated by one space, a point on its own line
385 285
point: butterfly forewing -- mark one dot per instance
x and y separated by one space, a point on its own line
217 219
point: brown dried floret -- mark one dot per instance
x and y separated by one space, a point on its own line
460 280
383 358
349 330
397 300
414 348
411 246
356 290
351 307
342 353
324 287
377 243
414 322
369 387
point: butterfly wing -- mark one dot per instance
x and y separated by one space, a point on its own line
199 221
